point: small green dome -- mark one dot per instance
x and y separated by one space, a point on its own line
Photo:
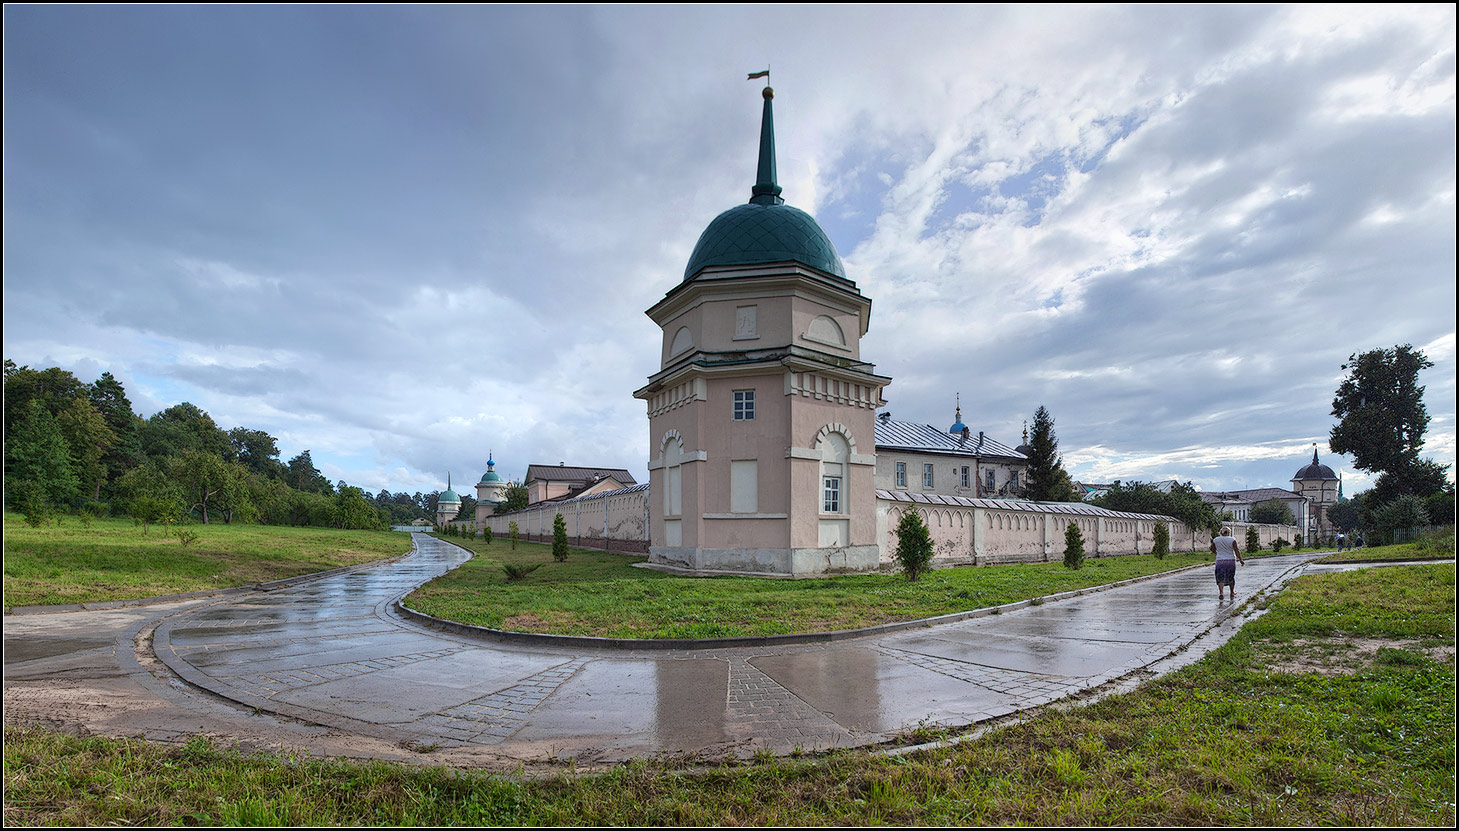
448 495
489 477
757 233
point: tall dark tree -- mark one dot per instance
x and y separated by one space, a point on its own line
303 476
109 398
1047 479
515 498
1380 409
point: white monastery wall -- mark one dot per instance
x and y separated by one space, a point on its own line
964 531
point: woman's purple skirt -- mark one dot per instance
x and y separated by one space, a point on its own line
1226 573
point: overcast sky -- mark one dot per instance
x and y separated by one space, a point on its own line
402 236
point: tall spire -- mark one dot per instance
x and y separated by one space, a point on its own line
1314 453
766 192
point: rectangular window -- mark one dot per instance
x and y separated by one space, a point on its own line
744 405
927 476
990 481
964 478
831 495
901 474
1013 479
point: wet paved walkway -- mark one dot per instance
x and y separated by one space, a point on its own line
333 652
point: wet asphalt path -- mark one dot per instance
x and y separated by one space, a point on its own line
333 652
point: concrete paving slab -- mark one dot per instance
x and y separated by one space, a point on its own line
637 706
405 694
1061 657
865 690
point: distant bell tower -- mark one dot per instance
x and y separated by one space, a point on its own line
762 446
491 491
1320 485
447 504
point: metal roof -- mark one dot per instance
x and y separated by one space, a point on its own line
908 435
562 473
1255 494
1079 508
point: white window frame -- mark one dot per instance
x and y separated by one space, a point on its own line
901 474
743 408
965 473
927 476
830 494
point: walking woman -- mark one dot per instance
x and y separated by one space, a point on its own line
1228 553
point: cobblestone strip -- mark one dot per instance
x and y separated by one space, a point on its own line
272 683
493 718
760 708
1026 688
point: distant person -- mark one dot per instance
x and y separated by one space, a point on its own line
1228 553
1342 542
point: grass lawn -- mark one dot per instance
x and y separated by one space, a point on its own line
1436 547
115 560
1336 707
601 594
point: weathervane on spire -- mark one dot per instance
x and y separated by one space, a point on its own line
764 73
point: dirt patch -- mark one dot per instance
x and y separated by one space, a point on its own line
525 622
1341 655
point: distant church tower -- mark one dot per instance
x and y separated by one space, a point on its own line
491 491
1321 486
762 446
447 504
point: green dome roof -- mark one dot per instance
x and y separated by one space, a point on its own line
756 233
448 495
490 476
766 230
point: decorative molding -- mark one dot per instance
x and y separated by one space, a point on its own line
802 453
671 398
825 388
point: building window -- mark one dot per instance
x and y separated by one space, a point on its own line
927 476
744 405
901 474
990 481
964 478
831 495
1013 479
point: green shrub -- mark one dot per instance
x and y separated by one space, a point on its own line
512 533
1278 544
486 535
559 538
1297 542
914 545
1162 540
1253 540
1073 546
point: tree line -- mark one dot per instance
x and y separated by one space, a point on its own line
70 445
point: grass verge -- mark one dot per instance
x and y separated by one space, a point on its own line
115 560
601 594
1231 740
1430 547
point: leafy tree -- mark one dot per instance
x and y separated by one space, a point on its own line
148 495
1047 479
1073 546
88 438
257 451
184 427
1162 539
1273 512
1380 409
205 479
559 538
486 536
468 507
1183 502
512 533
38 469
1253 541
1344 515
353 511
1398 521
1422 478
914 545
514 498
